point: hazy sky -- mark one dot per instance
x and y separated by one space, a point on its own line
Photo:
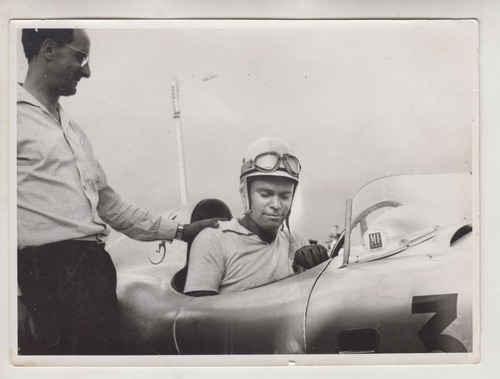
356 99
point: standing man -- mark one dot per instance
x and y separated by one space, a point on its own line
66 278
255 249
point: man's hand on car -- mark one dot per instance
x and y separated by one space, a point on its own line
192 230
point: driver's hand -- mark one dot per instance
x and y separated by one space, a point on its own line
192 230
309 256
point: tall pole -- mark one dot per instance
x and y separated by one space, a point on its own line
180 146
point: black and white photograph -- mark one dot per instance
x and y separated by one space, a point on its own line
244 192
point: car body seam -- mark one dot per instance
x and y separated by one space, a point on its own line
304 323
174 325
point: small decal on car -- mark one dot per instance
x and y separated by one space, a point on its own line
375 239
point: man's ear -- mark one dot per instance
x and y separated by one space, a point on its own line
47 49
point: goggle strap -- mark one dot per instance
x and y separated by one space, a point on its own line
248 164
296 176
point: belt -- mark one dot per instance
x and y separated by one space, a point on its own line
93 238
90 244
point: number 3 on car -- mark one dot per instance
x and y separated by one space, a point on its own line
445 308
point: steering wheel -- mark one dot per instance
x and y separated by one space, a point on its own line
361 218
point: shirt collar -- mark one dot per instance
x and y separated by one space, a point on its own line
234 225
24 96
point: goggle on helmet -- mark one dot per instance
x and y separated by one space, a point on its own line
267 156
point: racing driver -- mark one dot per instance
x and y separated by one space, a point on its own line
258 247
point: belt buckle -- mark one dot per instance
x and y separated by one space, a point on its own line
99 241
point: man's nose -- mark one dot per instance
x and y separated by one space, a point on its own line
275 202
86 71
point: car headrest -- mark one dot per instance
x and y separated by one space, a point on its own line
210 208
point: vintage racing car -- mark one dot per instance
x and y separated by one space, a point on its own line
399 280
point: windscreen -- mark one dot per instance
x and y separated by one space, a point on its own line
393 212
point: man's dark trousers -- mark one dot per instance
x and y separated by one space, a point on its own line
69 288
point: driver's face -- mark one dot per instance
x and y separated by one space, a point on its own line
270 201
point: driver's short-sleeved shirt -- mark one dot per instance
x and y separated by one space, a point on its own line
231 258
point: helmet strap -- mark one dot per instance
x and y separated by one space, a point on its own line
287 220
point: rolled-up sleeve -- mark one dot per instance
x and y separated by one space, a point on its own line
129 219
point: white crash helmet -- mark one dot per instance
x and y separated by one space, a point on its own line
267 156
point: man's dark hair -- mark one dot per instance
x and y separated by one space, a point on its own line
33 39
